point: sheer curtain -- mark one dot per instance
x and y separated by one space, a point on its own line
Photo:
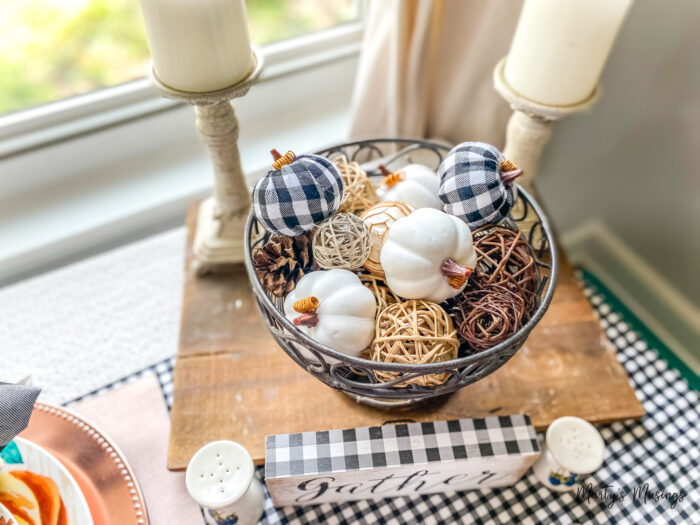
426 66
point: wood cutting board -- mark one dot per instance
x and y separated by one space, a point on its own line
232 381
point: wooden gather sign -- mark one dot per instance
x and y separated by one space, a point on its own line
398 460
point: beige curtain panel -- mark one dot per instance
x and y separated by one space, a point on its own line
426 66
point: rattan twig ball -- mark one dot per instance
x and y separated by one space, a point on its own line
358 193
487 314
381 291
414 332
341 241
505 257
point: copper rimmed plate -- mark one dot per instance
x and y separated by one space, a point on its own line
100 469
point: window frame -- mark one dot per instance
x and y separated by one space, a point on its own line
64 119
69 171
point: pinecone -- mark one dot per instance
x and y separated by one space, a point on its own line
282 261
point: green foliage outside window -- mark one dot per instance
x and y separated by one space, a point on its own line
52 49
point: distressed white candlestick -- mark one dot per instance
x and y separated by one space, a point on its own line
198 45
529 127
221 218
558 52
560 48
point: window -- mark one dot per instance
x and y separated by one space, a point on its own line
53 49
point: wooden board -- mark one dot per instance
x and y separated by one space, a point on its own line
232 381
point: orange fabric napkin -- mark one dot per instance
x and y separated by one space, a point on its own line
135 417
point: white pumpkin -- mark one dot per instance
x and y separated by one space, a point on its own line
342 315
428 255
415 184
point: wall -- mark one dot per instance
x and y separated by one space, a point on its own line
623 183
634 161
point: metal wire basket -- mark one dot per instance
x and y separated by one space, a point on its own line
356 376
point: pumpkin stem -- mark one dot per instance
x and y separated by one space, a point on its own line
456 273
306 305
385 171
282 160
510 172
392 179
310 320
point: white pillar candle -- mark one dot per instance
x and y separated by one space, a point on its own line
198 45
560 47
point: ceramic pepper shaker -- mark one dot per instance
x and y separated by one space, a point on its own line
221 478
573 448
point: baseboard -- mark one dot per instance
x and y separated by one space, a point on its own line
659 305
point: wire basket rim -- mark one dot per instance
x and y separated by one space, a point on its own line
359 362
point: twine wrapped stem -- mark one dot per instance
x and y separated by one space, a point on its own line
511 172
218 126
307 307
282 160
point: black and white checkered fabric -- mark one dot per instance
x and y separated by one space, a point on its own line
403 444
293 200
662 450
471 186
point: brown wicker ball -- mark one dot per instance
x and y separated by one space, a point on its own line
341 241
414 332
358 190
488 314
505 257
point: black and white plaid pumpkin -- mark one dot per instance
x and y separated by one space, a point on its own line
475 183
298 193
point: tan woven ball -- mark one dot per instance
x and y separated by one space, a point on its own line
380 289
358 190
414 332
341 241
379 219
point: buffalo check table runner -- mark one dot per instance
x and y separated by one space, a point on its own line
651 468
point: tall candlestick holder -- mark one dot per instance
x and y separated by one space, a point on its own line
218 240
530 125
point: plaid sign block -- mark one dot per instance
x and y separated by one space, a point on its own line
395 460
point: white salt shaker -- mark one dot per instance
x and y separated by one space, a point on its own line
573 448
221 478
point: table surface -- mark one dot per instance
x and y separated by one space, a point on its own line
90 326
233 382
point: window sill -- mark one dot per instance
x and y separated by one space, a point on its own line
61 228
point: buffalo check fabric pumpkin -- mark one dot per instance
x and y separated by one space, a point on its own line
471 185
292 200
